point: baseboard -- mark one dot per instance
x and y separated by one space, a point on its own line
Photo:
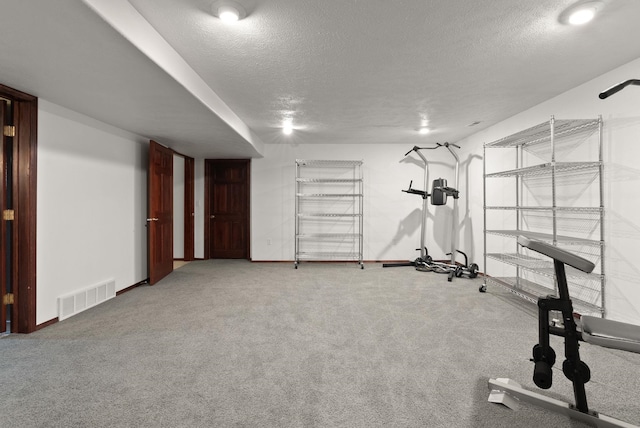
46 323
131 287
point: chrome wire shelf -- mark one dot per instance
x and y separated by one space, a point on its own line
541 134
547 237
329 195
313 215
531 292
545 267
327 180
329 210
594 210
328 163
558 201
521 260
546 168
328 235
328 255
526 289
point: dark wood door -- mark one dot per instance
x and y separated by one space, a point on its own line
227 216
21 154
3 229
160 219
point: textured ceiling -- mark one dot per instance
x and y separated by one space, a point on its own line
345 71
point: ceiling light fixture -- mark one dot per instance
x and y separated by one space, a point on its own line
228 10
424 130
287 127
580 13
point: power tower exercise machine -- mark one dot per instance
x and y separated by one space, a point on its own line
438 196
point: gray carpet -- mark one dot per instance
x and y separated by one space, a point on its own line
240 344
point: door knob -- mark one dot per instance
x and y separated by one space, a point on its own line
212 216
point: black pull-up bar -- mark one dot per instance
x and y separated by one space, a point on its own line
416 148
617 88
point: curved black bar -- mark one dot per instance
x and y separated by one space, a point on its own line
415 148
429 148
617 88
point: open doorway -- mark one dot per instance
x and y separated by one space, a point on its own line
183 210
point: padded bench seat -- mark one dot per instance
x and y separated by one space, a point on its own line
611 334
597 331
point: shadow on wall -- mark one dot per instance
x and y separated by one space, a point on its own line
623 275
622 223
406 228
622 235
466 224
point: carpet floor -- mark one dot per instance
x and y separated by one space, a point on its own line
230 343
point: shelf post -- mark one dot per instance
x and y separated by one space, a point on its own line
484 206
603 307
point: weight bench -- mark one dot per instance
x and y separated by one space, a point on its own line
597 331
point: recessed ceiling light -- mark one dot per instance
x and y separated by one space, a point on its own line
287 127
581 16
228 10
424 130
580 13
228 14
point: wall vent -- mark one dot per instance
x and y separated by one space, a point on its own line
78 301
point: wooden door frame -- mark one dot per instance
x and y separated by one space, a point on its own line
208 176
189 208
25 150
4 112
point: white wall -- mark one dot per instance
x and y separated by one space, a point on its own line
621 115
91 198
178 207
392 218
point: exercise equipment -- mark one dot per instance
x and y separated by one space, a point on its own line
574 328
424 256
440 191
617 88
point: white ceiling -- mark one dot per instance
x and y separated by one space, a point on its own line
345 71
